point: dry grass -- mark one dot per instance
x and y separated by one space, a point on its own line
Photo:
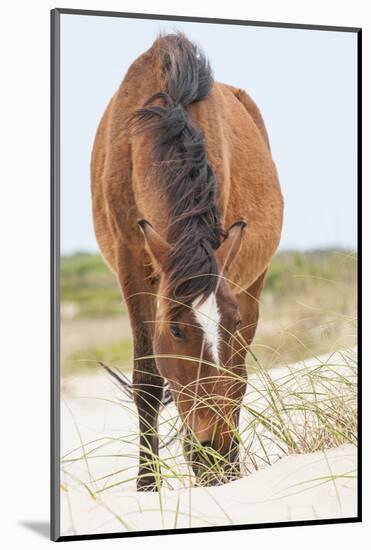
308 307
287 411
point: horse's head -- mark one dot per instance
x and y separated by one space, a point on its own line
199 352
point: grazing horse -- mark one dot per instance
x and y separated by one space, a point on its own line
188 212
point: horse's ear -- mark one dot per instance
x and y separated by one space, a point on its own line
228 250
157 247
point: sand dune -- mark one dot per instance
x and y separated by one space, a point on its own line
99 445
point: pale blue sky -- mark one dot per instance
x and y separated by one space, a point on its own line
304 82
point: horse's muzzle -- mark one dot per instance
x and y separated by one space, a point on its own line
211 468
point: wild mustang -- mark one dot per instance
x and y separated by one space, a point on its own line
188 213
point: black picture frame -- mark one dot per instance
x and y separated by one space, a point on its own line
55 267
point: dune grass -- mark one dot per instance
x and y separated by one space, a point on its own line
296 409
301 410
293 410
308 308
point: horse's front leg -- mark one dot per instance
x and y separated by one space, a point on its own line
148 388
139 294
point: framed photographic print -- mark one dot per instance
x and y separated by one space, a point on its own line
206 269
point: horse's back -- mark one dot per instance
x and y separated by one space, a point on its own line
238 151
248 187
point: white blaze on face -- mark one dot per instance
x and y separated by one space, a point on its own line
208 317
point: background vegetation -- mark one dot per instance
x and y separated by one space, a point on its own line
308 307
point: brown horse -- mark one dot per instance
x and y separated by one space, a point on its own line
180 165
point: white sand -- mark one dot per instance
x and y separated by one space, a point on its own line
297 487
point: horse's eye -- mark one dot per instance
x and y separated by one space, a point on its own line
238 324
176 331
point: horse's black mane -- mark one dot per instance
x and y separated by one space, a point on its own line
195 230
